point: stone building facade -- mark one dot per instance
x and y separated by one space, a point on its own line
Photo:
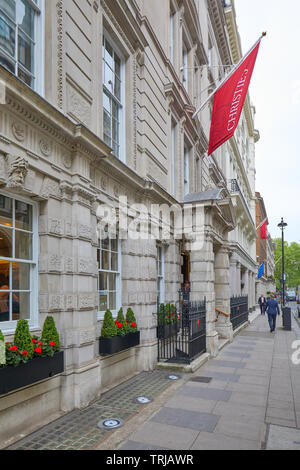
265 250
96 100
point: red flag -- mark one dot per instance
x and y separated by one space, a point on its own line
264 231
229 101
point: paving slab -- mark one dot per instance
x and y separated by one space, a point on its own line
283 438
218 441
223 376
163 435
250 430
230 364
240 412
189 403
186 419
205 393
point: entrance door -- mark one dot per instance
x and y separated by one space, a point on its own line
185 267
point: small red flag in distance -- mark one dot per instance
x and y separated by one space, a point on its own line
264 231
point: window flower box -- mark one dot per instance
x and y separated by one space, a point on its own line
30 359
120 334
118 343
39 368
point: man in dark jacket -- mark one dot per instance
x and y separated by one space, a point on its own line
272 310
263 304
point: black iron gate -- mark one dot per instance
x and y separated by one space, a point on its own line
239 312
181 331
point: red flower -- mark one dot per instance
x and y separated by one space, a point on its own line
133 324
13 348
38 350
40 343
119 325
34 341
25 353
52 343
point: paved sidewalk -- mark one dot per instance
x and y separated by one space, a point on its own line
246 398
252 401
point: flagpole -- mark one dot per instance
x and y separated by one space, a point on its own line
228 76
262 223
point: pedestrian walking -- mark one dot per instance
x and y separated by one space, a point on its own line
272 310
263 304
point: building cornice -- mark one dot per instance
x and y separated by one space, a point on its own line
217 17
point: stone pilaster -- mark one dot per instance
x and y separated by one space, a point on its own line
222 292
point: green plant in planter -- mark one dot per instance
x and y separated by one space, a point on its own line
164 314
173 313
1 336
49 335
23 340
122 330
130 319
109 327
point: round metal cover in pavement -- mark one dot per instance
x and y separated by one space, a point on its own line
143 400
112 423
174 377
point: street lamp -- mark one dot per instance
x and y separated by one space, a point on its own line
282 226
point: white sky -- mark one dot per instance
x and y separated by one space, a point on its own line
275 92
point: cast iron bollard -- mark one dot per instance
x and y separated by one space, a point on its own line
286 318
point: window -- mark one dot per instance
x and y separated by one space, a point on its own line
186 170
109 261
21 39
210 52
173 158
112 97
18 261
185 66
160 275
172 20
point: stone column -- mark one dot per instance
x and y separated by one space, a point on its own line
232 276
222 292
238 279
202 285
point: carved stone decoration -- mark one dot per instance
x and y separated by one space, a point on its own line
45 147
67 161
103 183
19 131
50 187
17 169
59 10
116 190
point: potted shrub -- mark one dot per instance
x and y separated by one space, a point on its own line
167 321
30 359
133 335
110 342
118 335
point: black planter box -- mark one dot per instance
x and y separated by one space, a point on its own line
118 343
166 331
39 368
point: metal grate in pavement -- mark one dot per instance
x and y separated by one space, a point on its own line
78 430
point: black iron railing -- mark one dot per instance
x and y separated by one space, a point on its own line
239 312
184 338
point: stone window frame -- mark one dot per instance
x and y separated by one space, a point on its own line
38 57
117 273
9 327
120 103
